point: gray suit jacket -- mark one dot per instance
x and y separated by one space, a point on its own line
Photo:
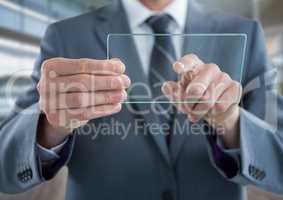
141 166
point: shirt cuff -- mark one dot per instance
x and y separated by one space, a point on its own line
226 160
234 153
52 154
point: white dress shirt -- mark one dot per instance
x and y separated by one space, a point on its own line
137 14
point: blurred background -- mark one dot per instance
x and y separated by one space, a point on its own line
23 23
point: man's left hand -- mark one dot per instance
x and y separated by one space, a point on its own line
205 92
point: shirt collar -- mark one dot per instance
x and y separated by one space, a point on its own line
138 13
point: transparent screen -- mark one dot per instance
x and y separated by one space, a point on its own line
225 50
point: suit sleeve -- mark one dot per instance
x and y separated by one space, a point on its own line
259 160
20 166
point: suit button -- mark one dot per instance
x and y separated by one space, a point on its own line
253 170
25 175
167 195
29 173
20 176
261 175
256 173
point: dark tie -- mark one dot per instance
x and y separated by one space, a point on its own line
163 57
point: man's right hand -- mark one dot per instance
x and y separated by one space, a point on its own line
77 90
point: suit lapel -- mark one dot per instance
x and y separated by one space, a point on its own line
113 21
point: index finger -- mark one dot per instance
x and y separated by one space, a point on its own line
64 66
187 63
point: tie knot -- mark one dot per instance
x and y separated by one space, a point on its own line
159 23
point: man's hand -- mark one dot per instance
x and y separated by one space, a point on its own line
77 90
205 92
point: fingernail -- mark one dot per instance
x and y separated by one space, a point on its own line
118 107
52 74
117 66
124 95
115 59
120 67
179 67
165 88
126 81
190 75
120 97
185 80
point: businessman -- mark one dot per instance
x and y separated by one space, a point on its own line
77 95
